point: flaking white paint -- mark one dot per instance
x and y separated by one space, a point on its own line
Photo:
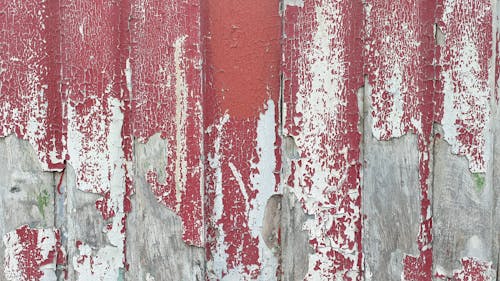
181 116
218 264
264 180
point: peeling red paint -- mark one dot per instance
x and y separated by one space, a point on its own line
32 254
95 44
322 77
402 95
240 112
70 85
30 101
165 72
463 88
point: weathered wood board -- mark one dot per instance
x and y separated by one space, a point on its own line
259 140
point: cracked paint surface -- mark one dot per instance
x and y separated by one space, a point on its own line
30 103
240 112
32 254
405 98
80 79
464 91
165 72
322 77
402 97
98 130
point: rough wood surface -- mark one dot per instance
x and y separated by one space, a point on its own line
259 140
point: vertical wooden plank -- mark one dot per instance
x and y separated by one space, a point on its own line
31 109
322 74
399 65
99 145
466 244
240 114
165 79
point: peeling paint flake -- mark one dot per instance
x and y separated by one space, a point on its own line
464 90
472 269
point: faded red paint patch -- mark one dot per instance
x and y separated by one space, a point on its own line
242 52
30 101
165 73
321 79
32 254
240 112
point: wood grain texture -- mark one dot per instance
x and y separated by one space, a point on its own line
157 250
27 198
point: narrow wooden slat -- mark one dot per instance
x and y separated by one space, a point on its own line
399 66
30 103
241 145
322 74
465 244
98 136
167 224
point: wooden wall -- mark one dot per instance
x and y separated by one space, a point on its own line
249 140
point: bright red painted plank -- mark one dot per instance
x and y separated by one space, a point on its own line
323 72
165 71
240 112
30 101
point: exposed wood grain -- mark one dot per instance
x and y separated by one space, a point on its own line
390 203
26 198
156 250
463 215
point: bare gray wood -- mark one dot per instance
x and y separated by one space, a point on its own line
155 249
390 201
